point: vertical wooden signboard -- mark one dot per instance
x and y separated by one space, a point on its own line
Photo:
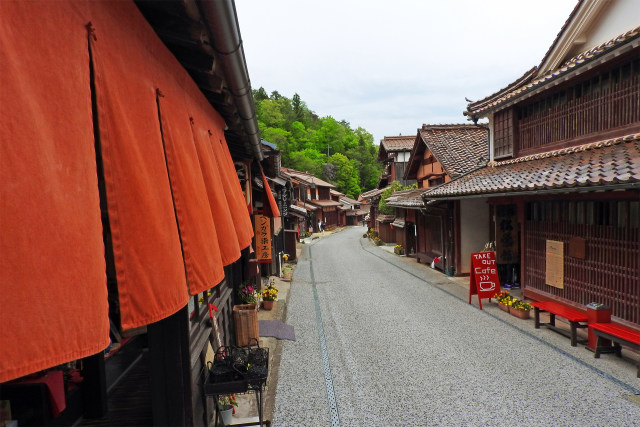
555 264
483 280
263 238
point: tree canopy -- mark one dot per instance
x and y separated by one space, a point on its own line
323 146
395 186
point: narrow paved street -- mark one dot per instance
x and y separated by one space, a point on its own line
384 341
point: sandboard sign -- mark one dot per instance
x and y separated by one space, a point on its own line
483 280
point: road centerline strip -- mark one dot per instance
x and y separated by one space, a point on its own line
326 366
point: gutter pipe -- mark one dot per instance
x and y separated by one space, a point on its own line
222 21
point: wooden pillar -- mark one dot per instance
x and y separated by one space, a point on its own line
169 370
94 389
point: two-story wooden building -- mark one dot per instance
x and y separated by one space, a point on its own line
563 182
444 231
317 198
394 153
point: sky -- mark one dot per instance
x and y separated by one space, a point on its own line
390 66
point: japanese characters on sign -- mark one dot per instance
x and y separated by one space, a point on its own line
483 280
263 238
555 264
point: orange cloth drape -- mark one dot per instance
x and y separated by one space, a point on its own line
207 123
225 226
52 270
53 292
200 241
128 59
269 205
163 221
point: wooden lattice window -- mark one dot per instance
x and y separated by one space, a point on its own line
503 134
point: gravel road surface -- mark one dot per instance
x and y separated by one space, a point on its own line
381 342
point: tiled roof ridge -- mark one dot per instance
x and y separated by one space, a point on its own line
398 137
451 144
571 63
426 126
568 150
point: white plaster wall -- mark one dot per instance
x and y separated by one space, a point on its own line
617 17
474 228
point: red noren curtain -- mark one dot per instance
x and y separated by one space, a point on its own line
198 232
129 60
52 270
270 206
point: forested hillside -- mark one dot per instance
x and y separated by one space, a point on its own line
323 146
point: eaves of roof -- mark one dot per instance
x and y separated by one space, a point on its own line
324 203
523 86
605 165
459 148
411 199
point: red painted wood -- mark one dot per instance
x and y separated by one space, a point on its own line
618 331
562 310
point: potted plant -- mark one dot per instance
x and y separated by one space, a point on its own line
398 250
269 295
248 294
503 299
520 309
226 403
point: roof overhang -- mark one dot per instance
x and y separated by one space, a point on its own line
552 79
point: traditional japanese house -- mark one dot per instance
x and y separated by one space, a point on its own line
123 215
409 206
446 231
394 153
353 212
563 183
318 196
371 198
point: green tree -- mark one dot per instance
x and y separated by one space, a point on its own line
346 176
395 186
308 160
304 140
260 95
270 114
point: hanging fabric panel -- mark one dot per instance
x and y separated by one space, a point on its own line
209 123
200 241
52 271
244 226
269 205
225 226
129 60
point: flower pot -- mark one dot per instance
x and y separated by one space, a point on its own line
267 305
522 314
226 415
503 307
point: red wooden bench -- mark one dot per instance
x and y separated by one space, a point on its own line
577 319
616 334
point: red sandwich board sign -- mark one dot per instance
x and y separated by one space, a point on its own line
483 280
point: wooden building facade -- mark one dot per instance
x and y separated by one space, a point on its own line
438 231
563 183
